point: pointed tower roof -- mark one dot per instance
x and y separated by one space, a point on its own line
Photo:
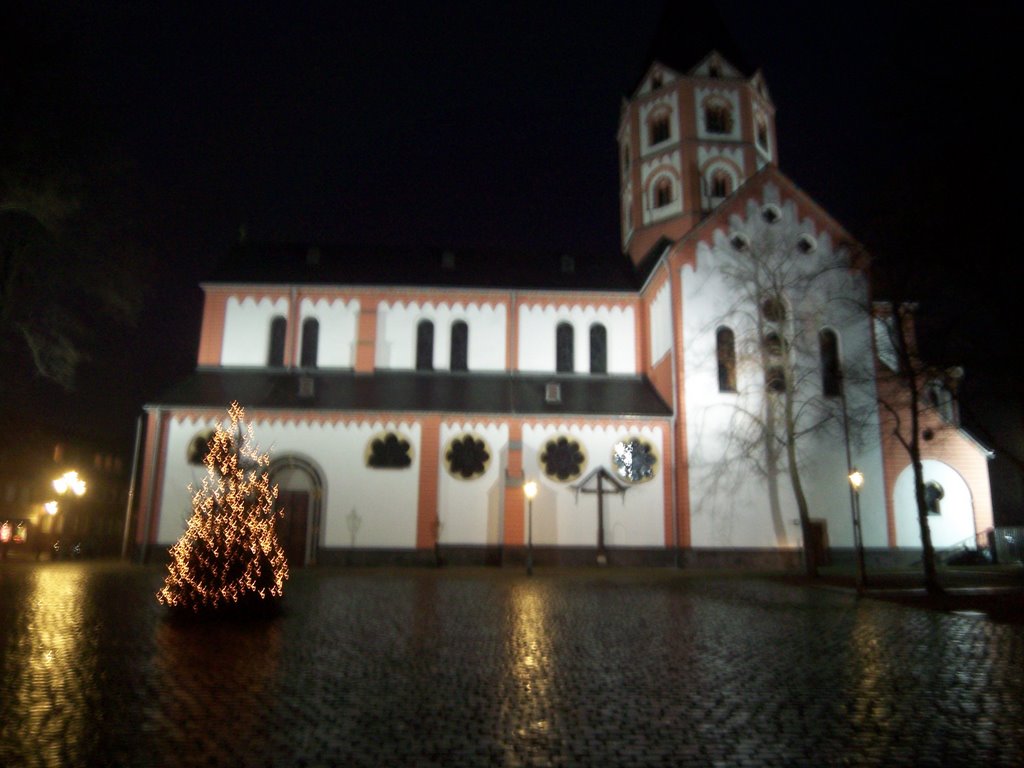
687 33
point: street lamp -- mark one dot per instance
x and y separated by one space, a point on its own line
856 478
70 485
530 489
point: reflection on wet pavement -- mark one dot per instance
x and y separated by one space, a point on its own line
487 667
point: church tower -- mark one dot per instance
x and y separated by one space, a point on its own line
687 140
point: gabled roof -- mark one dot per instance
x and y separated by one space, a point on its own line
412 391
306 264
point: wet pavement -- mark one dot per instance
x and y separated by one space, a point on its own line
387 667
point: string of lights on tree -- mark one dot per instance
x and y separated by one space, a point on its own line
229 555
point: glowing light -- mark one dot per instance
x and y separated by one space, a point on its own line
856 479
5 533
229 553
51 507
530 489
69 481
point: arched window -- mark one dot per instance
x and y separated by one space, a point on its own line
425 346
773 309
721 184
563 348
831 374
662 193
310 341
717 117
460 346
598 349
278 328
725 341
762 132
659 129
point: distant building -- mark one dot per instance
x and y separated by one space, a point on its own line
406 397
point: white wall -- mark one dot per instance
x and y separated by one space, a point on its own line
247 330
661 323
396 334
386 500
953 525
560 518
729 497
537 336
339 321
471 510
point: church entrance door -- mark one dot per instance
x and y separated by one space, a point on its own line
291 528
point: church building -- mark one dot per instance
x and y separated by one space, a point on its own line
408 399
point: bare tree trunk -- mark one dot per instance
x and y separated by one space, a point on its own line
931 579
810 551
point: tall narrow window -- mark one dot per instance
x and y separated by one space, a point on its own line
460 346
563 348
721 184
726 343
662 193
659 129
310 341
425 346
278 327
831 375
598 349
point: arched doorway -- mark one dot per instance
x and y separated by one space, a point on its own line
300 493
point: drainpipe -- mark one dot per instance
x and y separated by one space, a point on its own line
131 489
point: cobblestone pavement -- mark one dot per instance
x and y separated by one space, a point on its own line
487 667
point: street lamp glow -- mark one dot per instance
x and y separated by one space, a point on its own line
50 507
69 481
856 479
530 489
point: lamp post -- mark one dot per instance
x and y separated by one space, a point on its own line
530 489
856 478
68 485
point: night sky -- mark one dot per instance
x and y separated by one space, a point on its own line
467 124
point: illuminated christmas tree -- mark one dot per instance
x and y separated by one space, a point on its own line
229 556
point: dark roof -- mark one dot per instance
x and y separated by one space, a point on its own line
686 33
303 264
498 393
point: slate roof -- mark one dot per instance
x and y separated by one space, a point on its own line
309 264
491 393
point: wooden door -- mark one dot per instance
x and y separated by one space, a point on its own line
291 528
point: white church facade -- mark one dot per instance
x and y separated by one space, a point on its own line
404 411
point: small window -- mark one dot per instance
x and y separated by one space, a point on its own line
425 346
774 345
564 348
721 184
460 346
278 328
762 132
467 457
563 459
806 244
662 193
725 340
625 157
933 494
310 340
389 450
634 460
775 379
552 392
199 447
771 214
739 241
656 81
831 374
717 118
773 310
598 349
659 129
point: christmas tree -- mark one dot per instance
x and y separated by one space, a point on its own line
229 556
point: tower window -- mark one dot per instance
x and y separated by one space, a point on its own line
659 128
564 348
775 379
625 157
831 374
761 131
717 118
725 341
460 346
933 493
425 346
310 341
278 328
773 309
598 349
721 184
662 193
656 81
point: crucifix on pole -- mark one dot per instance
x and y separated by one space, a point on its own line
600 482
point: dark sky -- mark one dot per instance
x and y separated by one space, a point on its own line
442 123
